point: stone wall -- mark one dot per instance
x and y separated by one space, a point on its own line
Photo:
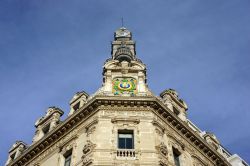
94 141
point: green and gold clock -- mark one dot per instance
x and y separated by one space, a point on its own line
124 86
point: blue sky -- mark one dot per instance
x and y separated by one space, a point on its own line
50 49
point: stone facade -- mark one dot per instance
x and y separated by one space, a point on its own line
153 129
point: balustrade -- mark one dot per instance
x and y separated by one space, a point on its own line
125 153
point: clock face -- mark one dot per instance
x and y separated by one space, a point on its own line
124 86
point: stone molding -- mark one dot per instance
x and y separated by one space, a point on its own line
61 147
198 161
159 126
130 120
90 127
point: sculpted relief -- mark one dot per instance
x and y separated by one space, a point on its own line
87 157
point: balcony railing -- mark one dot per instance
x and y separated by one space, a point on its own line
125 153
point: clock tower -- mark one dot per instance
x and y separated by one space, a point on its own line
124 74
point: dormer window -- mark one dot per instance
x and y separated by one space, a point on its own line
176 111
78 100
76 106
46 129
12 157
16 150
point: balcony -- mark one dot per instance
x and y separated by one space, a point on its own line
125 153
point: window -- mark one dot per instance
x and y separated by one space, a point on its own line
67 157
46 129
77 106
125 139
176 111
13 156
176 155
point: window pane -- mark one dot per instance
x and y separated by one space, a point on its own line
67 160
67 163
129 143
176 159
125 136
121 143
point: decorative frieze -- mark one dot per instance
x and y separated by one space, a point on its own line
162 149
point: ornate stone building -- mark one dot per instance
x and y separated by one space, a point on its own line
123 124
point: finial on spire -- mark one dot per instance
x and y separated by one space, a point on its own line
122 22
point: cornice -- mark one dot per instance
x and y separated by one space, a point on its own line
141 102
56 134
183 129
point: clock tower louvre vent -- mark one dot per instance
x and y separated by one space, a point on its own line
123 53
123 47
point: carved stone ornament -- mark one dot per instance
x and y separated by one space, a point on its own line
87 153
67 148
159 127
88 148
90 128
163 162
87 161
197 161
177 142
162 149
